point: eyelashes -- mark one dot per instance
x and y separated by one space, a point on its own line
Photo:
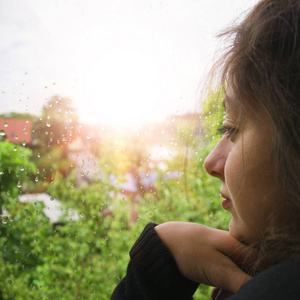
229 131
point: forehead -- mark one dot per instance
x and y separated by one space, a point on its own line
244 110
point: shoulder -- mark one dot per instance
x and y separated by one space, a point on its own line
278 282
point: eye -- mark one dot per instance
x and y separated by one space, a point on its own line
229 131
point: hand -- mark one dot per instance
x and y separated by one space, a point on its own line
205 255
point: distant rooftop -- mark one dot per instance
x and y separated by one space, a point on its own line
16 130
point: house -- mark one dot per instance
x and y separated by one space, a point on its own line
16 131
53 209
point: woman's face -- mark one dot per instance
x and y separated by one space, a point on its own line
243 162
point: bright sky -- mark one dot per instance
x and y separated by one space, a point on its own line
120 61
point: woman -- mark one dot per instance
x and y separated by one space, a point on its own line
257 161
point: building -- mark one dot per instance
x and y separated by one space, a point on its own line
16 131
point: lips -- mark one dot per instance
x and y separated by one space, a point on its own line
226 202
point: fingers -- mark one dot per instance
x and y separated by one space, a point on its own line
216 269
231 276
205 255
243 255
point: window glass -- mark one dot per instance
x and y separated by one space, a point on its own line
102 130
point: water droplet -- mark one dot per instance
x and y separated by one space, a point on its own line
88 137
2 133
82 173
38 155
16 137
15 149
19 185
48 124
24 143
51 198
22 169
5 125
36 179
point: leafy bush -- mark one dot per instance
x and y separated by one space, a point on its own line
85 259
15 167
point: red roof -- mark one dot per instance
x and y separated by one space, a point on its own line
16 130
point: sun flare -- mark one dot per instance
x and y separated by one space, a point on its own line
123 87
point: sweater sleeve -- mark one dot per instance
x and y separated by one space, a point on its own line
152 272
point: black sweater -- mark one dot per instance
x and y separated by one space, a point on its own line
152 274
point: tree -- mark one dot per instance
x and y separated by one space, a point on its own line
15 168
17 115
52 133
57 125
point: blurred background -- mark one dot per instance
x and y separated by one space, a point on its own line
104 127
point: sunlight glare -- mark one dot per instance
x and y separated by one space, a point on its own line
124 87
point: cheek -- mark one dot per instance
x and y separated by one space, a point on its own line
234 174
250 184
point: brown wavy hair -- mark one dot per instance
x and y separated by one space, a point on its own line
262 65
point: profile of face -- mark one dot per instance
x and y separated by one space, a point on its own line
242 161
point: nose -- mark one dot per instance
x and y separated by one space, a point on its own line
214 163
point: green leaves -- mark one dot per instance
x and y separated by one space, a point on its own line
85 259
15 167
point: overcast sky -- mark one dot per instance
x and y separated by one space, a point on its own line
120 61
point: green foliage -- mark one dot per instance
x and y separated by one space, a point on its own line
57 124
213 113
52 134
86 258
17 115
15 168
